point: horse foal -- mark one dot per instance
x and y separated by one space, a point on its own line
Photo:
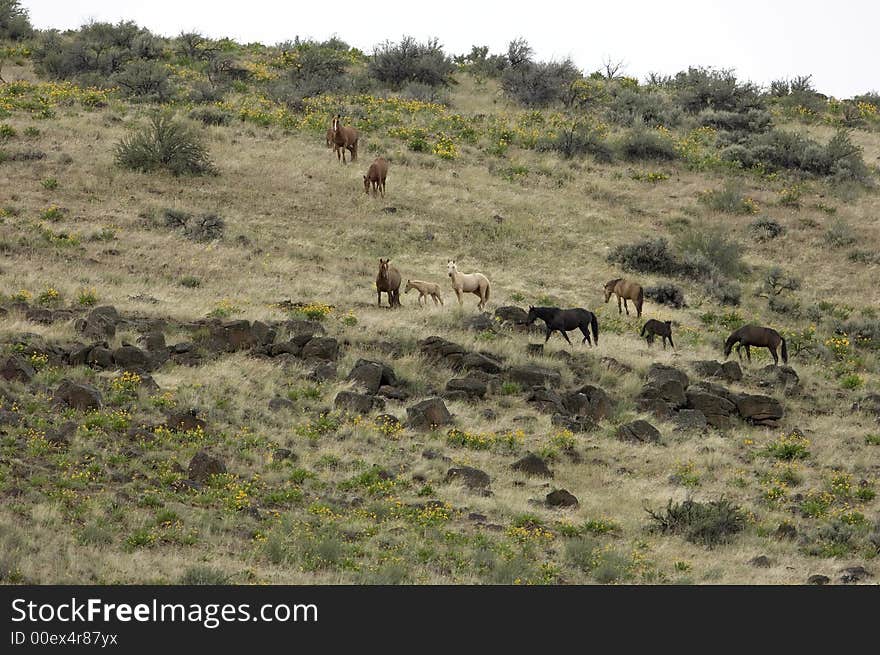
425 289
653 328
375 176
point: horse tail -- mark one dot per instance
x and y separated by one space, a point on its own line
487 289
595 323
784 351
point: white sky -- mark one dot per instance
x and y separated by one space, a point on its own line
762 39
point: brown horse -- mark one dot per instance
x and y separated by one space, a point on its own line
761 337
388 280
375 176
653 328
330 143
344 138
627 291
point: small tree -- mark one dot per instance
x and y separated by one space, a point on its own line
396 64
15 24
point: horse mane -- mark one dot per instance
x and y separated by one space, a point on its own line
614 281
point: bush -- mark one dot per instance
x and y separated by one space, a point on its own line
145 80
538 84
645 256
631 108
840 234
481 64
776 281
724 291
641 144
730 200
706 252
15 24
765 229
210 115
164 144
753 120
666 293
410 61
95 52
698 89
781 150
710 524
315 69
578 139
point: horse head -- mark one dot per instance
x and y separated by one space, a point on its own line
408 287
451 268
609 288
533 315
336 123
383 268
366 185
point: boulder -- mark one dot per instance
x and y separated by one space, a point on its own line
480 322
471 477
388 376
202 466
324 348
512 314
779 377
367 375
100 324
78 396
471 387
394 393
690 419
573 423
729 371
532 375
153 342
100 357
17 368
638 431
716 409
40 315
479 362
131 357
185 421
531 464
854 574
546 401
357 403
284 454
323 372
428 414
561 498
658 373
818 579
278 403
760 410
590 401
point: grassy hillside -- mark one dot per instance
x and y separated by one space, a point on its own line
317 493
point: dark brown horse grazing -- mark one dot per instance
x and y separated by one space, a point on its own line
761 337
625 290
653 328
344 138
375 176
388 280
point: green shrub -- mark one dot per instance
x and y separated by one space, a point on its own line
203 575
710 524
765 229
146 80
164 144
729 199
666 293
538 84
15 24
840 234
640 144
708 253
645 256
210 115
698 89
396 64
579 138
725 292
631 107
753 120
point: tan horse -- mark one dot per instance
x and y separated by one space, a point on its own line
388 280
425 289
344 138
475 283
375 176
627 291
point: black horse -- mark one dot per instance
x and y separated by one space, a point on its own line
563 320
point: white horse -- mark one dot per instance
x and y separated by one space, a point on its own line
475 283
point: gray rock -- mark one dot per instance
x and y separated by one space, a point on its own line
471 387
428 414
531 375
760 410
132 357
393 393
573 423
357 403
471 477
325 348
278 403
589 401
17 368
690 419
513 314
853 574
368 375
479 362
658 373
323 372
185 421
638 431
818 579
100 324
202 466
531 464
78 396
546 401
561 498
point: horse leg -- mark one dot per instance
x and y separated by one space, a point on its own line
549 332
748 353
619 310
586 332
775 357
739 351
565 334
670 342
626 307
664 342
458 294
379 303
